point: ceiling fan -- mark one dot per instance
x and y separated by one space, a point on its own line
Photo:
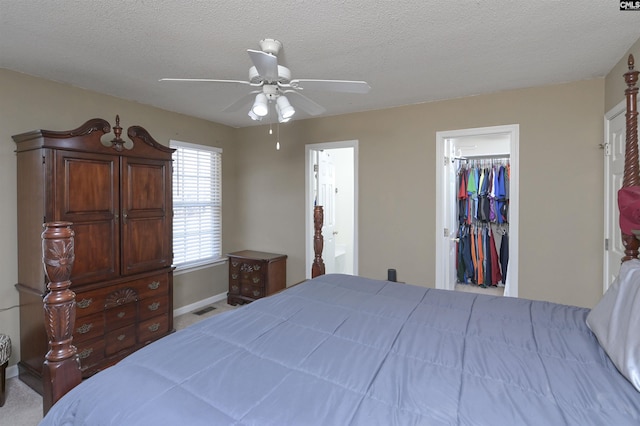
271 83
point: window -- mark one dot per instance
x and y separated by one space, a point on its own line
197 204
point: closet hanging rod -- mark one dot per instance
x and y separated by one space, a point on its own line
485 157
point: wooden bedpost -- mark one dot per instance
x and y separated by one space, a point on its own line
318 242
631 165
61 369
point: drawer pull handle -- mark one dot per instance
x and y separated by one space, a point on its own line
154 306
234 263
85 353
256 280
256 292
234 276
121 337
154 285
256 267
234 288
154 327
84 303
121 314
84 328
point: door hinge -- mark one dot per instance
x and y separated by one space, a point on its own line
606 244
446 162
607 148
446 232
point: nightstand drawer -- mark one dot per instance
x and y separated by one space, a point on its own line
254 292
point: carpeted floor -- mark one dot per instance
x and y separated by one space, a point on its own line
23 406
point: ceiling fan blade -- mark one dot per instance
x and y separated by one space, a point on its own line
241 102
265 63
345 86
210 80
304 103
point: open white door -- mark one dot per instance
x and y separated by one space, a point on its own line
614 149
446 227
327 199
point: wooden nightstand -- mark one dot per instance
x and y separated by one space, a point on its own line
255 274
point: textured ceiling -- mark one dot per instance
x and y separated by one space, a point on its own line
409 51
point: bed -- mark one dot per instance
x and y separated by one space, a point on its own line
345 350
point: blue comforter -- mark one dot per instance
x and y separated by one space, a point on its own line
343 350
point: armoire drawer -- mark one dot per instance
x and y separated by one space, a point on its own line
88 327
90 352
92 301
153 328
120 316
153 306
120 339
156 285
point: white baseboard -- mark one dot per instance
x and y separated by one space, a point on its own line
199 304
12 371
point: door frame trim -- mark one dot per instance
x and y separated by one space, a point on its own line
308 194
441 275
620 108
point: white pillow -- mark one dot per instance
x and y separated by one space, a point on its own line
615 321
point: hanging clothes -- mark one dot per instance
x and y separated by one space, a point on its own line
504 256
483 198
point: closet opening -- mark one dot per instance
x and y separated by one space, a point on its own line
482 234
477 210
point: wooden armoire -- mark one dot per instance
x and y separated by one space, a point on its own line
117 194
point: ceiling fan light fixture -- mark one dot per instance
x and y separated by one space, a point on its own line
284 107
253 116
281 119
260 106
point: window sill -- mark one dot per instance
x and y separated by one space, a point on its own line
191 268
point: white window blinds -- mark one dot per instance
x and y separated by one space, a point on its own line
197 204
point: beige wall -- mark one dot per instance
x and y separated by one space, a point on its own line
561 182
561 186
29 103
614 83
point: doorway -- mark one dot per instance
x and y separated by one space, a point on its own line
331 180
478 143
614 150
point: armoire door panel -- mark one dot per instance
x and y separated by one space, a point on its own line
145 184
146 216
86 187
145 189
97 253
146 246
